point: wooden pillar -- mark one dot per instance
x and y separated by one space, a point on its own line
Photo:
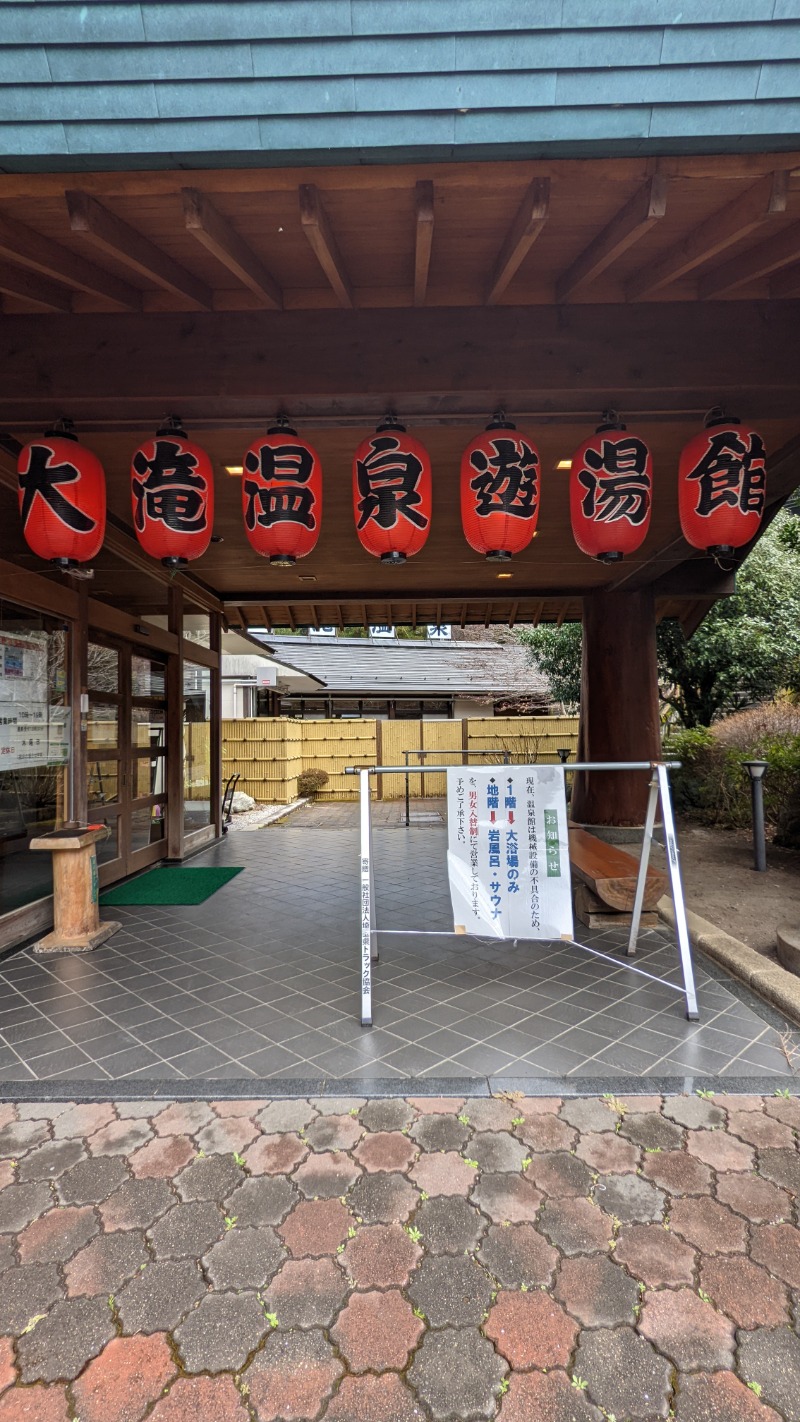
175 730
215 728
619 706
78 685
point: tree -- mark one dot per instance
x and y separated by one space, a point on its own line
745 650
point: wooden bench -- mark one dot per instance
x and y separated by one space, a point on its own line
606 886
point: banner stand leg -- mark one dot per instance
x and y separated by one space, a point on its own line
367 899
647 841
674 867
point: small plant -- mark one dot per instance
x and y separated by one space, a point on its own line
351 1234
424 1195
527 1162
464 1120
238 1160
614 1104
704 1094
756 1388
502 1388
32 1322
419 1314
413 1233
784 1092
230 1221
580 1383
473 1164
518 1120
272 1319
310 782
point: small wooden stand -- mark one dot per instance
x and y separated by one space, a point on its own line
76 911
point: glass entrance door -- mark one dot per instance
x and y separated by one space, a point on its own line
127 756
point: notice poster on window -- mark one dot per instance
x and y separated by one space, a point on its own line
32 733
508 851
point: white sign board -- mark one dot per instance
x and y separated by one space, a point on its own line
382 631
439 634
508 851
267 675
322 631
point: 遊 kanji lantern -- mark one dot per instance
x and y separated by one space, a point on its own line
172 491
722 485
282 495
611 491
499 491
392 493
62 498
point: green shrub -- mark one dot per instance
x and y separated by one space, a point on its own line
310 782
712 786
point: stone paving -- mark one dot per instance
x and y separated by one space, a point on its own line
394 1260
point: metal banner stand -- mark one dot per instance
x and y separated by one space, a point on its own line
659 792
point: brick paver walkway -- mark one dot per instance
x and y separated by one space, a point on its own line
395 1260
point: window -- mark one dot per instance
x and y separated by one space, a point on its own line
197 810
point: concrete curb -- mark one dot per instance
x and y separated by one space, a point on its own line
773 983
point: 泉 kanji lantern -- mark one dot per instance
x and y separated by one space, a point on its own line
282 495
62 498
722 485
172 492
392 493
499 491
611 491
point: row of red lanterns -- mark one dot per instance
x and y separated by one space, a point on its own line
722 487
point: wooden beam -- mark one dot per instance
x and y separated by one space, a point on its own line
21 243
528 223
315 224
779 251
214 232
95 223
423 200
786 284
628 226
744 214
30 286
512 616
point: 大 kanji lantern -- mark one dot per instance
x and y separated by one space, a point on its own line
172 492
392 493
62 498
499 491
282 495
722 485
611 491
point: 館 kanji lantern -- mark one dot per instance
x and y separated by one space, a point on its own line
172 493
62 498
722 485
611 491
392 493
282 495
499 491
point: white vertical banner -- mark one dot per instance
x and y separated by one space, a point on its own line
508 851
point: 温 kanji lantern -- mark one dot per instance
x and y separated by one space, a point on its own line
499 491
611 491
282 495
62 498
172 492
392 493
722 485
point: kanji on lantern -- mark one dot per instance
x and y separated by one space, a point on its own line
392 493
499 491
611 492
62 498
172 493
722 485
282 495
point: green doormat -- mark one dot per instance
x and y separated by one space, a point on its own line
170 885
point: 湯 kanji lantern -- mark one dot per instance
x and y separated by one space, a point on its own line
62 498
392 493
722 485
282 495
499 491
172 492
611 491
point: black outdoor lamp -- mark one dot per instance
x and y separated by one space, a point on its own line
564 753
757 769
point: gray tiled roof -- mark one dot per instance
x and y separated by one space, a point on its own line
370 667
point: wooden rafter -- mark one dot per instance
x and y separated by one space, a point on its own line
764 200
781 250
20 243
423 202
214 232
89 219
526 227
315 224
628 226
30 286
786 283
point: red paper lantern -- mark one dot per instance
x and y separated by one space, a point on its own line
282 495
722 485
172 492
611 491
499 491
62 498
392 493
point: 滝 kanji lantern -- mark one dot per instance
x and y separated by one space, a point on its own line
282 495
392 493
499 491
611 491
722 485
172 492
62 498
